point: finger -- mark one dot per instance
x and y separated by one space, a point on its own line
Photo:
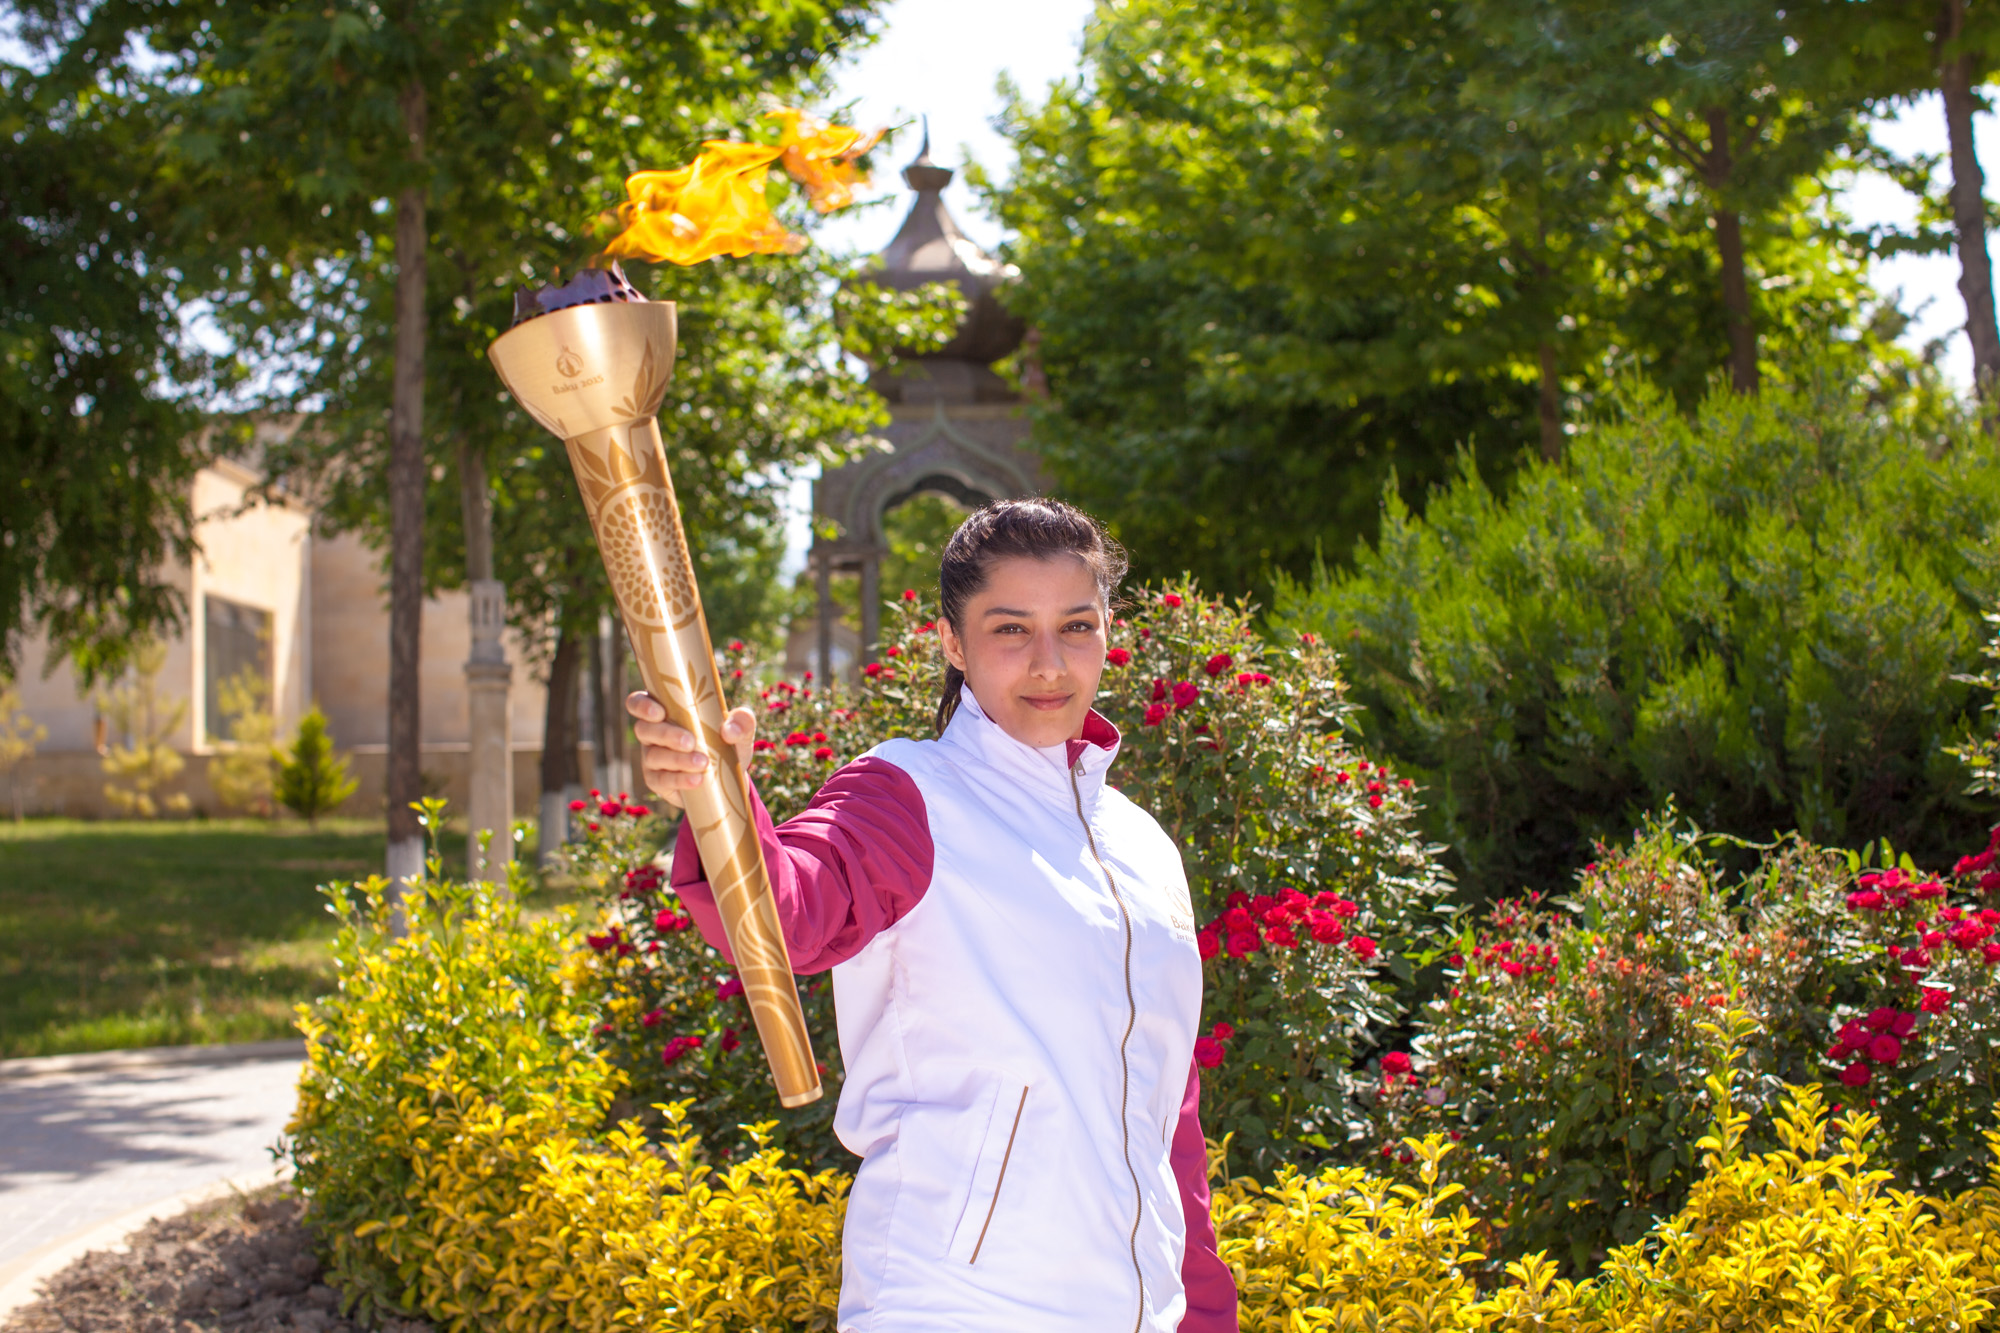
665 735
673 761
644 707
664 771
739 726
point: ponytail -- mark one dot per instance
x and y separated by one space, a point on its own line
1037 529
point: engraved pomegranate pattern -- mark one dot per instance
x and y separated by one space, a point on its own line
638 525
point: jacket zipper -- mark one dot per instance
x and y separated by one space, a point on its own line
1124 1060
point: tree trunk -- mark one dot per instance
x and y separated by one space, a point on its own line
1968 206
559 767
406 509
600 717
1729 246
1551 406
476 503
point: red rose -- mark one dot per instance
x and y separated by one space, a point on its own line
1856 1075
1884 1049
730 1041
576 807
1281 935
1222 1031
1170 599
909 594
1159 688
1396 1062
1155 715
892 651
1185 693
1364 948
1928 889
1881 1020
728 988
1343 909
1208 1051
652 1018
1935 1001
1374 802
1241 942
872 670
823 752
798 738
1118 656
1208 942
1326 929
736 645
1219 663
762 743
637 811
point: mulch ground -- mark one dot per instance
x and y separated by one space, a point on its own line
244 1264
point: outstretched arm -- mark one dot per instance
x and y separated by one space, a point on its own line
849 866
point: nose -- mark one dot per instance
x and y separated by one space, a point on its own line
1046 662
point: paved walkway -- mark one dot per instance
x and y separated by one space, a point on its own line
86 1139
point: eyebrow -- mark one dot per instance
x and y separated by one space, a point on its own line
1076 610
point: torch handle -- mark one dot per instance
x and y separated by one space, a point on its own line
622 474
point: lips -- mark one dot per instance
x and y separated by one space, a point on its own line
1047 704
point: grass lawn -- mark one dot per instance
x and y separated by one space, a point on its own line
157 933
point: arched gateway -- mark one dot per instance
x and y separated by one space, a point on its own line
956 427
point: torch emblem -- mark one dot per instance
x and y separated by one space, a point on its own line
568 363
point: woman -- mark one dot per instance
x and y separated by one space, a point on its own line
1014 970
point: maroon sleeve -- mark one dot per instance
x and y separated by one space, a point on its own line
1211 1290
847 867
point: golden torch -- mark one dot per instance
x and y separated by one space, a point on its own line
590 361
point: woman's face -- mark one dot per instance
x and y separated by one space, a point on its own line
1033 647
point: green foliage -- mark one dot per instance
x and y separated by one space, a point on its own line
1754 611
244 775
19 735
142 762
1281 251
100 437
312 780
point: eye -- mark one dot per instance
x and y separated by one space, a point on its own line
1084 626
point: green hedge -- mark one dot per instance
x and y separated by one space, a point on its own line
1756 611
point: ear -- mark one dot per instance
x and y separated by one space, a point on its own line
954 650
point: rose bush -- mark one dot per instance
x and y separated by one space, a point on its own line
1310 882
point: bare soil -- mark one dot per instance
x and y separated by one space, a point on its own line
245 1265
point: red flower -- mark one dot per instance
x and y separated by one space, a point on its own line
1208 942
1326 929
1241 942
892 651
728 988
576 807
1281 935
1155 715
1990 880
823 752
652 1018
1856 1075
909 594
762 743
595 828
1159 689
637 811
678 1047
1865 900
872 670
1884 1049
1222 1031
1343 909
1364 948
1991 953
798 738
1208 1052
730 1041
668 923
1396 1062
1374 802
1219 663
1170 599
1308 638
1185 693
610 809
1118 656
736 645
1928 889
1248 678
1935 1001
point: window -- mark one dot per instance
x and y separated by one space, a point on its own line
237 650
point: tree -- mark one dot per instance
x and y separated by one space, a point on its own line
312 780
1279 252
242 776
377 176
144 761
100 434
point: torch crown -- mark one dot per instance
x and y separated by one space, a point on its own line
593 286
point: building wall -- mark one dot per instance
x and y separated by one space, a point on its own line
327 599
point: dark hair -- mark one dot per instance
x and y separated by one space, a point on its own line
1008 529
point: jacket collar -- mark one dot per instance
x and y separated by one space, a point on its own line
1089 756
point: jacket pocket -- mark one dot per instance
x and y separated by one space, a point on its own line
989 1173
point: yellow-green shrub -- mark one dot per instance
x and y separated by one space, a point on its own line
452 1141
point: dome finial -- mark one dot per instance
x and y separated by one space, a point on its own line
923 175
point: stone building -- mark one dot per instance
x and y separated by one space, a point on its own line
308 611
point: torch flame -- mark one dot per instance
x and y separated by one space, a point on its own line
715 205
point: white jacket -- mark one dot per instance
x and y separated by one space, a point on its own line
1018 1003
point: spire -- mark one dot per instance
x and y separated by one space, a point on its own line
923 175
